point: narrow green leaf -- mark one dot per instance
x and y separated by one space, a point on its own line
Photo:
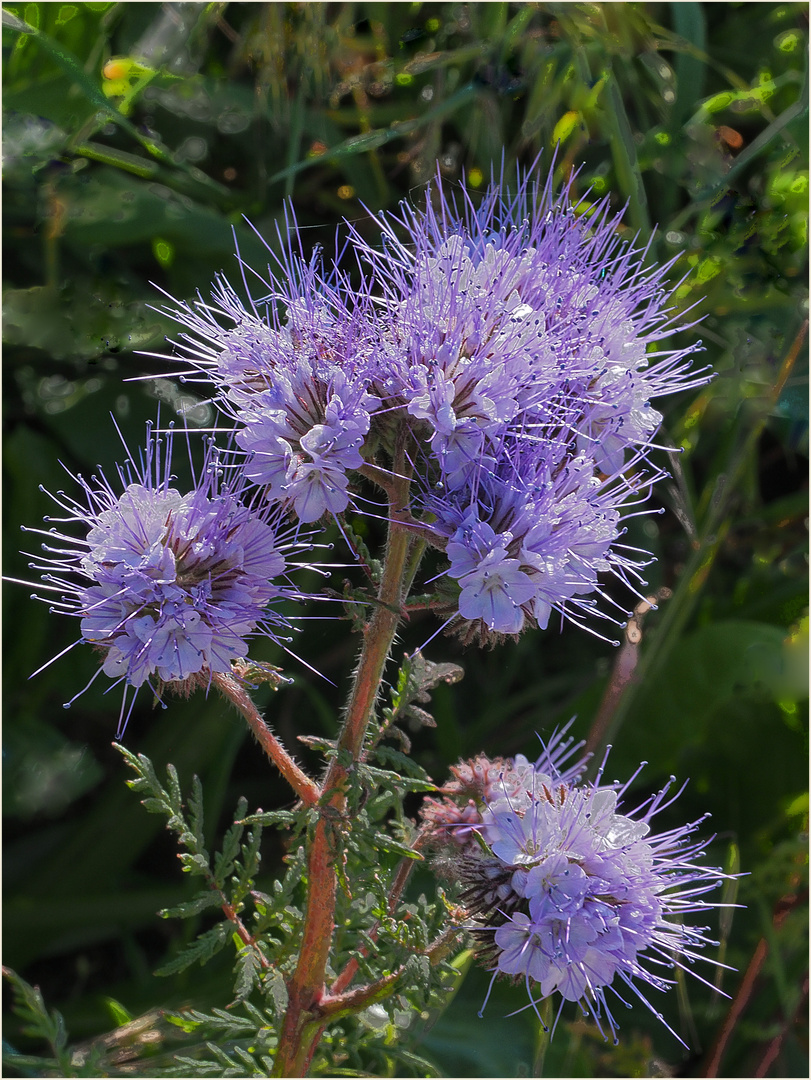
119 159
74 70
795 111
270 817
371 140
689 23
388 843
626 163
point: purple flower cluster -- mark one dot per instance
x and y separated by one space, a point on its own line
513 348
531 535
452 820
526 337
572 894
170 586
296 384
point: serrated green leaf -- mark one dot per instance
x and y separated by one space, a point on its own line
189 908
249 971
402 762
223 1020
137 785
197 811
39 1022
147 771
174 792
395 781
128 756
194 863
199 951
275 991
246 872
224 860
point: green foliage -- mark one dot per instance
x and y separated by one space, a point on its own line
400 947
228 878
417 678
134 143
39 1023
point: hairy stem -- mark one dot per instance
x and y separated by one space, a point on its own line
306 988
300 782
354 1001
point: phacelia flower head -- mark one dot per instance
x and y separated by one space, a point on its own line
503 357
292 370
533 534
526 345
169 586
453 820
527 309
571 893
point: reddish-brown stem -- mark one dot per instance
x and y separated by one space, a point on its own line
621 675
242 931
334 1005
306 988
746 989
776 1045
362 997
346 976
306 789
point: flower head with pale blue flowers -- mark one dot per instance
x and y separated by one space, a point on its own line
569 892
509 353
291 373
169 586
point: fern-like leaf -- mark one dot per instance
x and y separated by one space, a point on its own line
207 945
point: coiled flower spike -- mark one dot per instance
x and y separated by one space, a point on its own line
569 892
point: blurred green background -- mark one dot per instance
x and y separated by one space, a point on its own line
135 139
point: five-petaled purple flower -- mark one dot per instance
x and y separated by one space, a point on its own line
169 586
526 339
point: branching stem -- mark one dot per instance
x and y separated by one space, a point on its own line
306 988
306 789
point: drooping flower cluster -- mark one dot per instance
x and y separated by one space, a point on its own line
567 891
505 356
168 586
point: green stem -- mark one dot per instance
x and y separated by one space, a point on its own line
306 988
